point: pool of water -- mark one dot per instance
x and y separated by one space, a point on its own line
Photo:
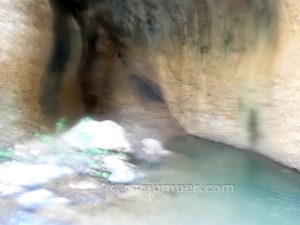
264 192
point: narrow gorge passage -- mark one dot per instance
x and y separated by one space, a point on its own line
149 112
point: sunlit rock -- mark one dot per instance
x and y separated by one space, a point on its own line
58 201
20 174
90 133
6 190
84 186
121 172
34 199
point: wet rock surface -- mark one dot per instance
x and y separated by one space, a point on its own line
52 177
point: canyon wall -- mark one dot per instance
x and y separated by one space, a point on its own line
227 70
37 78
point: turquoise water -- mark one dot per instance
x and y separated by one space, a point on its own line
264 192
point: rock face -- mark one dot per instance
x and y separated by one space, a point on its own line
226 69
21 62
34 73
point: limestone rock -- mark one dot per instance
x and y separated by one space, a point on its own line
89 133
227 70
34 199
20 174
28 84
154 150
121 172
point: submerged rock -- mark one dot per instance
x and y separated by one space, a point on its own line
90 133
